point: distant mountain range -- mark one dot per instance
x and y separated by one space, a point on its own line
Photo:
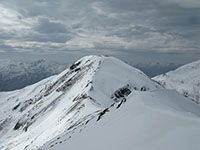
153 69
18 74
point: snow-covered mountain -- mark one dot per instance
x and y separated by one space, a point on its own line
185 79
159 120
18 74
97 103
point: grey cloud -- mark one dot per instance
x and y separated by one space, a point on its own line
134 31
46 26
7 48
4 35
50 31
173 23
52 37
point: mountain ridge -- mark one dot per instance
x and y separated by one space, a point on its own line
98 96
90 85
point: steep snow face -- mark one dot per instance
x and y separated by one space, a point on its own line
64 103
152 120
186 80
17 74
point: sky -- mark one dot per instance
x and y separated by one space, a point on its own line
133 30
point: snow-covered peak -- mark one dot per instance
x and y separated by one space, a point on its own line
59 104
186 80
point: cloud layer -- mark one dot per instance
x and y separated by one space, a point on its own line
42 26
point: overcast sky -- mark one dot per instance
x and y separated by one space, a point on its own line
125 28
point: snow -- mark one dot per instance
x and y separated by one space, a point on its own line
115 74
97 103
186 80
146 121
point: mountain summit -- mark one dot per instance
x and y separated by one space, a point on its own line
98 100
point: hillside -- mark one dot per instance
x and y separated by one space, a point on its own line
186 80
160 120
100 103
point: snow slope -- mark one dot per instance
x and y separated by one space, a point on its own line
65 103
158 120
18 74
186 80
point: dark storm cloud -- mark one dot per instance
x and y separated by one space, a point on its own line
50 31
164 16
160 25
